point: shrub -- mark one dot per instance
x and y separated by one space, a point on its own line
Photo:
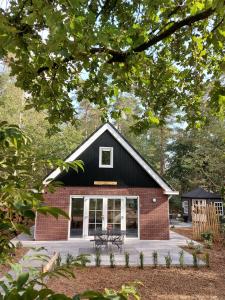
155 258
69 259
168 260
127 259
207 236
190 244
195 259
112 260
59 260
82 260
208 244
19 245
7 249
198 249
207 259
141 257
97 258
181 258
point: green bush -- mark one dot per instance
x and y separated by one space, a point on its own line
155 258
7 249
26 286
127 259
198 249
181 258
190 244
81 260
141 257
207 236
97 258
168 260
69 259
195 259
112 260
208 244
59 260
19 245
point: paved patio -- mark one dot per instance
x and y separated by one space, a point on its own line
133 247
178 224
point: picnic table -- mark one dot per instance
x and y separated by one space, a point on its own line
102 238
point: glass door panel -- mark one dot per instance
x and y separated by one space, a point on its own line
131 217
77 217
95 215
114 214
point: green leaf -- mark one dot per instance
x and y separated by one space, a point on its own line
22 279
152 118
29 214
116 91
22 228
59 297
4 286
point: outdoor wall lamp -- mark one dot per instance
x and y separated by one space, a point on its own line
154 200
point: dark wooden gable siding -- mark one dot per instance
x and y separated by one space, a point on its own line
126 171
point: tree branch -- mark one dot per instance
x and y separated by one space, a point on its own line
162 35
176 26
217 25
121 56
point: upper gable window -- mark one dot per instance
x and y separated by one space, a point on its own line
105 157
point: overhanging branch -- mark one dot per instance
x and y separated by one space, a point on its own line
176 26
121 56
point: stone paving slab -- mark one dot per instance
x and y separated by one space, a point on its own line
132 246
80 246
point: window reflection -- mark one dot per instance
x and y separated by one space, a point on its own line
77 210
131 217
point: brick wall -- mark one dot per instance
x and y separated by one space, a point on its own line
154 220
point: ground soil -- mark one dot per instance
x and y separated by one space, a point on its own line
19 253
159 283
183 231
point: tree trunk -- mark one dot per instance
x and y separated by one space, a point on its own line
162 150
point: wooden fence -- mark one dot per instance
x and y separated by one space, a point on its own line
205 218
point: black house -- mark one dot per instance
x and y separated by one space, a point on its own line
199 196
117 190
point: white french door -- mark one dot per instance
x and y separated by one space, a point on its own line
103 213
88 213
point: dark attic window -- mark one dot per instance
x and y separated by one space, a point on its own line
105 157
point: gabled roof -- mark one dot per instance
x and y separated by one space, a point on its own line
130 149
200 193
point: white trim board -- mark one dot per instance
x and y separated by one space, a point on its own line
167 189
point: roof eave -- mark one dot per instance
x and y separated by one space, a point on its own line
168 190
171 192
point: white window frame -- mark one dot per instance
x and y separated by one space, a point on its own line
185 207
197 202
219 208
101 149
105 221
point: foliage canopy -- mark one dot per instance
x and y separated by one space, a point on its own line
167 53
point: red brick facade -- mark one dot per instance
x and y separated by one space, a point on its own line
153 217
